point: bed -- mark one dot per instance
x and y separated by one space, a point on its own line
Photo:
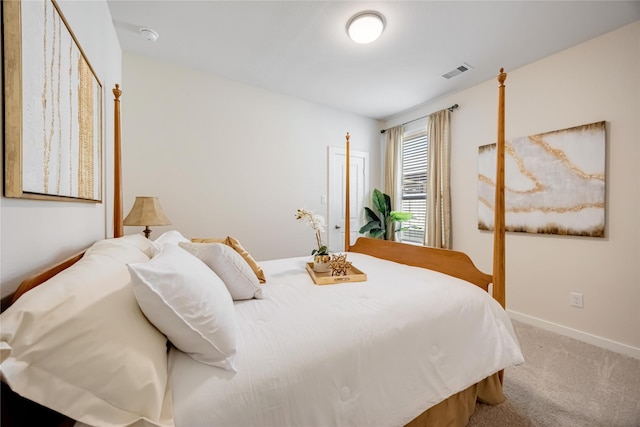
180 331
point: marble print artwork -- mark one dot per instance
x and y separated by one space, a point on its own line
554 182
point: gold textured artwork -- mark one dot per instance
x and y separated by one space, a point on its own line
53 107
554 182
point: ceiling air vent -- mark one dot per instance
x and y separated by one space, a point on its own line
461 69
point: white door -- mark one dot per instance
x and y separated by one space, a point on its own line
358 192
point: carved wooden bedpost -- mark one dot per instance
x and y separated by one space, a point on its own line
499 207
347 213
118 229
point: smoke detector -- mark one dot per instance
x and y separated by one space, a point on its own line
149 34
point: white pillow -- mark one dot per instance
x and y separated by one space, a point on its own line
137 241
171 237
234 271
237 246
189 303
80 345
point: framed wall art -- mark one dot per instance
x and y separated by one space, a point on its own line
53 107
554 182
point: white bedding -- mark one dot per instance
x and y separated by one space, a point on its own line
374 353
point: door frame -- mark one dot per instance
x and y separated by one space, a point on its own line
333 173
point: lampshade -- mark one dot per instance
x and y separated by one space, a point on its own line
365 27
146 211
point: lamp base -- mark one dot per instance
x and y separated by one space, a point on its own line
146 231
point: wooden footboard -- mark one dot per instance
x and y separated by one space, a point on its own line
453 263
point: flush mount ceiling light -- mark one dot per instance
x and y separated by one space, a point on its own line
365 27
149 34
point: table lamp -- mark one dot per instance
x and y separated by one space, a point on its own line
146 211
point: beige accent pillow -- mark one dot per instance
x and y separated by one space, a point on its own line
235 244
80 345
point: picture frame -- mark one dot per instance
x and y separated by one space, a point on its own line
53 108
555 182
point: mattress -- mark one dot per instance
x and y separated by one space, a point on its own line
373 353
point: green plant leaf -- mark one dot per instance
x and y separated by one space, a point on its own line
387 205
322 251
371 225
379 202
378 226
370 215
400 216
377 234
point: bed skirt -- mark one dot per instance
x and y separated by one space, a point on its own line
457 409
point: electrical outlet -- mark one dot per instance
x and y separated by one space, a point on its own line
576 300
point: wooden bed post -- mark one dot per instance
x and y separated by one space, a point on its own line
347 212
499 218
118 229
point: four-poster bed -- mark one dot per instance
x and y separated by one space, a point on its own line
291 345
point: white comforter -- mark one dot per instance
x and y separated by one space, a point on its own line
374 353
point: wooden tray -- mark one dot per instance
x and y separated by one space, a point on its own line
353 275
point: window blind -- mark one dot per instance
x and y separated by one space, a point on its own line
414 181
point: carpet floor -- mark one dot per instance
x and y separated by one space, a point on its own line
565 382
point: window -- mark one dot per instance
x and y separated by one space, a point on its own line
414 180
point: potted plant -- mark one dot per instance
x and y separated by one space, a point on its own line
380 227
320 254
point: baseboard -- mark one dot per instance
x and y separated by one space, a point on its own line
625 349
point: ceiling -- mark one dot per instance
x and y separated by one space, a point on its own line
300 48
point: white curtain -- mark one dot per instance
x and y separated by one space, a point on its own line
393 170
438 217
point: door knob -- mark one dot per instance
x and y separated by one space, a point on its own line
337 227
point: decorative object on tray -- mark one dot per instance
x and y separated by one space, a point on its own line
321 254
381 227
321 263
339 265
353 274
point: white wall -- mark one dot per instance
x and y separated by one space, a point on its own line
34 234
594 81
230 159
